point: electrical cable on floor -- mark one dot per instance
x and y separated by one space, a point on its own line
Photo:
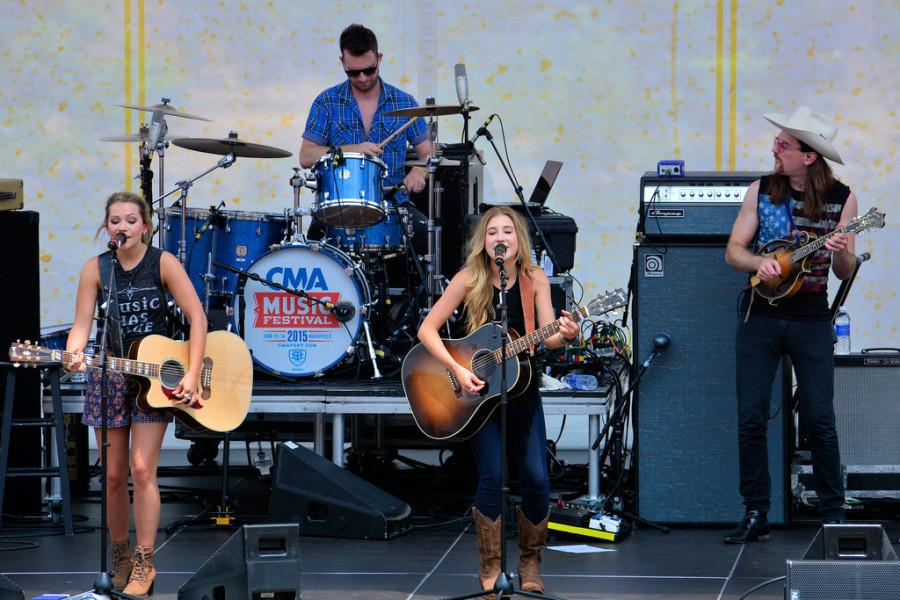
12 545
762 585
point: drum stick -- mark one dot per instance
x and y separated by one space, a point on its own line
382 143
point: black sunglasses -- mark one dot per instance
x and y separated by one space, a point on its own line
368 72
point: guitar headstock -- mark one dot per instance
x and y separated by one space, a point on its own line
873 219
604 303
28 354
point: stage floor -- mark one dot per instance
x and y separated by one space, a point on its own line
427 563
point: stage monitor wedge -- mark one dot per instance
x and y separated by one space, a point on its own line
330 501
257 562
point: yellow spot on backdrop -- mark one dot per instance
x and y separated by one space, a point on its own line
545 64
45 258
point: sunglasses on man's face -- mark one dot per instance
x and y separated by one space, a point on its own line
368 72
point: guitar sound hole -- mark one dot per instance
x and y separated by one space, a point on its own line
170 373
483 365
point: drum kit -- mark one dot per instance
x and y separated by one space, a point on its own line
304 307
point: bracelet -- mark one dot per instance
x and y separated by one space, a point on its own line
565 341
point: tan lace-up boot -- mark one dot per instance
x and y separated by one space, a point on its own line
121 564
143 574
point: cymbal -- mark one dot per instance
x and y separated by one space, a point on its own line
443 162
166 109
231 144
134 137
430 110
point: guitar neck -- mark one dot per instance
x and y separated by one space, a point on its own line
120 365
537 336
816 245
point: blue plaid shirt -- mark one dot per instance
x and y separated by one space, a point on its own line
334 120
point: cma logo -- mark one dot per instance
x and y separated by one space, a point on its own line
298 278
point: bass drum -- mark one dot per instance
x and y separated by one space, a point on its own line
292 336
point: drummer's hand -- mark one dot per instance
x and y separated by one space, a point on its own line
415 180
187 391
76 363
370 148
467 380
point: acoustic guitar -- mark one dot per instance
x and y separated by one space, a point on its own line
442 409
158 363
795 257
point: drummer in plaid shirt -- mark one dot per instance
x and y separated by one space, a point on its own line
351 116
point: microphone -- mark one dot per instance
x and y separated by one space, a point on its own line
661 341
213 213
337 158
462 84
343 311
499 251
118 242
863 257
483 129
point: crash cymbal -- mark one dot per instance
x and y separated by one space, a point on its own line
166 109
231 144
134 137
430 110
443 162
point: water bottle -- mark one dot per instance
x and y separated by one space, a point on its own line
580 381
842 332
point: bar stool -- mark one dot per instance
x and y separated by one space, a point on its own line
55 422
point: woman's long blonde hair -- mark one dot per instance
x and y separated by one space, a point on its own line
479 288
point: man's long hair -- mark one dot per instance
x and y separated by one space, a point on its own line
479 288
819 179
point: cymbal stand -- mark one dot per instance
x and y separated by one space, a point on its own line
434 279
183 186
298 181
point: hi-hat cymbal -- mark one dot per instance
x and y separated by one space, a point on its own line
430 110
443 162
166 109
134 137
231 144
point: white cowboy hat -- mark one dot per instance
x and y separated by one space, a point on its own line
809 128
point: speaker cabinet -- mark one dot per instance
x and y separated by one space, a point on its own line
330 501
686 433
9 590
257 562
20 306
845 562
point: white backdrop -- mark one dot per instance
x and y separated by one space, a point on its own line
607 87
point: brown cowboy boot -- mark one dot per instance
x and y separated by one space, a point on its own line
488 533
532 538
121 564
143 575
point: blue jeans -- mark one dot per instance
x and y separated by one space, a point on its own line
761 344
527 443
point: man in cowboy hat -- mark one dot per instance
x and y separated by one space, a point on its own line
801 194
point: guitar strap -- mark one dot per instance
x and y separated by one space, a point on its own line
526 291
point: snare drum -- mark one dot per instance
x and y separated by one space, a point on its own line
388 236
349 194
293 336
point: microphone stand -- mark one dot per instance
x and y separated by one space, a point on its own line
103 587
616 421
503 585
483 131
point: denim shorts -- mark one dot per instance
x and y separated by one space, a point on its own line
122 408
